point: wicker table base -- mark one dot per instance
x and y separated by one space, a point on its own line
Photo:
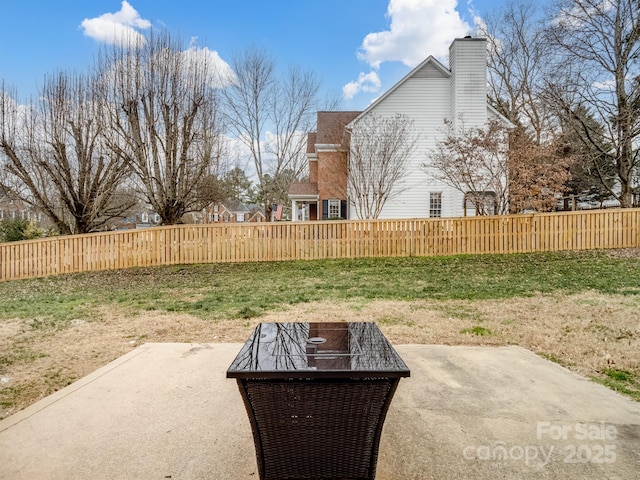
317 428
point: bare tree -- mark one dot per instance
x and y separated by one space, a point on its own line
475 162
56 156
598 73
379 151
518 63
271 115
164 119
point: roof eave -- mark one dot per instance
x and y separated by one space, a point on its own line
377 101
504 120
308 198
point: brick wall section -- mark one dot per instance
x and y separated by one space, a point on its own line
331 164
332 176
327 161
313 171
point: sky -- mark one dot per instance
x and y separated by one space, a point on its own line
358 48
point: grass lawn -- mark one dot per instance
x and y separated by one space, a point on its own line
579 309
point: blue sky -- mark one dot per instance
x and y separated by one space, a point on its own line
359 48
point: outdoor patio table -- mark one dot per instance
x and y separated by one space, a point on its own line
317 395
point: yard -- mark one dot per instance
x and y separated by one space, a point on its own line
579 309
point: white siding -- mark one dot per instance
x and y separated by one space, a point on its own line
426 101
426 97
468 58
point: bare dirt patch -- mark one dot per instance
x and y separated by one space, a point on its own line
589 333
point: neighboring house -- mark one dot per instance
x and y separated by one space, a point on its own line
136 218
11 207
233 211
325 194
429 95
256 214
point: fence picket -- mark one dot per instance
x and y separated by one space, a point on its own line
317 240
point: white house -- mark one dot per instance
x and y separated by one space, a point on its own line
429 95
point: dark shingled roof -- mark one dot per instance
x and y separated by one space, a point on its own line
303 188
331 126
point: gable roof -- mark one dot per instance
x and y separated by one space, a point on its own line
429 68
504 120
236 206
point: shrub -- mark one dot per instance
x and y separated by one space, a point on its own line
16 229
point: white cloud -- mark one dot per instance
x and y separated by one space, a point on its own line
219 72
577 15
367 82
117 28
418 28
605 85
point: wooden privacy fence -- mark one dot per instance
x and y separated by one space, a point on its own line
182 244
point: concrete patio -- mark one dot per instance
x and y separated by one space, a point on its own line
167 411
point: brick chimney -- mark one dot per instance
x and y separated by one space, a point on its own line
468 64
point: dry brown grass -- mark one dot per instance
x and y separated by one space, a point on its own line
589 333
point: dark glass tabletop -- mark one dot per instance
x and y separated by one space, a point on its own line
317 350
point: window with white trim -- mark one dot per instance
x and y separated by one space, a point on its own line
334 209
435 204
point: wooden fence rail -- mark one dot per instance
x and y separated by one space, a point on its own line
183 244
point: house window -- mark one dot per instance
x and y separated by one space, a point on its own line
240 217
226 217
334 209
435 204
216 217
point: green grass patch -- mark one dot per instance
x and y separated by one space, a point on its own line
219 291
622 381
618 375
552 358
248 312
245 291
477 331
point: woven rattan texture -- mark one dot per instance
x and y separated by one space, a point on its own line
306 432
